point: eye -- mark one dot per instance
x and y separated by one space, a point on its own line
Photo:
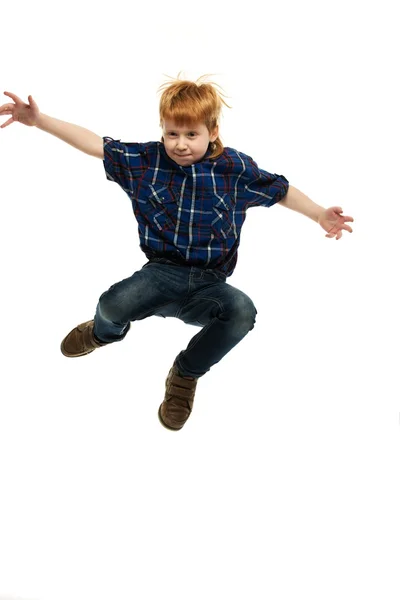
171 134
192 134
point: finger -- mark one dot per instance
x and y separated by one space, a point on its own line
7 123
347 218
32 102
339 235
347 228
13 97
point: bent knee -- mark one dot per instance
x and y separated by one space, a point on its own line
242 311
112 305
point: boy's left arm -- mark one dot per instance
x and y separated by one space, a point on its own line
330 219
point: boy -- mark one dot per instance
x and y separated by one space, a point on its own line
189 196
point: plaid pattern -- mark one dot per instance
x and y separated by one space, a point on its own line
190 215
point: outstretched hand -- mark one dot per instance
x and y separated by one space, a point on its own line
27 114
332 221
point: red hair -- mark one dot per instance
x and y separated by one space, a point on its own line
191 102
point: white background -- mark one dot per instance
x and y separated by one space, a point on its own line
284 483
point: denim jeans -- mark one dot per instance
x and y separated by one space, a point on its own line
199 297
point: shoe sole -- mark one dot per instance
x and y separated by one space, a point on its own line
68 355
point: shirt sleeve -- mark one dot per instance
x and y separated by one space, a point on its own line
263 188
124 163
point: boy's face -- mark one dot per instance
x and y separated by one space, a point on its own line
186 144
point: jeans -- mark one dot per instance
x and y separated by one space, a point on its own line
199 297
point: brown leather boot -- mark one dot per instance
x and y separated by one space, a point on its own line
80 341
178 400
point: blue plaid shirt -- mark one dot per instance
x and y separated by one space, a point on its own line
190 215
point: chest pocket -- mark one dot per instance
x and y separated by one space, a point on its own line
164 209
161 207
222 219
208 214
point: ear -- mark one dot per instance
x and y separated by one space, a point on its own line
214 134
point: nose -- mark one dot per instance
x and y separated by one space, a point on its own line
181 143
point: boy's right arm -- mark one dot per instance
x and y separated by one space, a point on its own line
29 114
76 136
